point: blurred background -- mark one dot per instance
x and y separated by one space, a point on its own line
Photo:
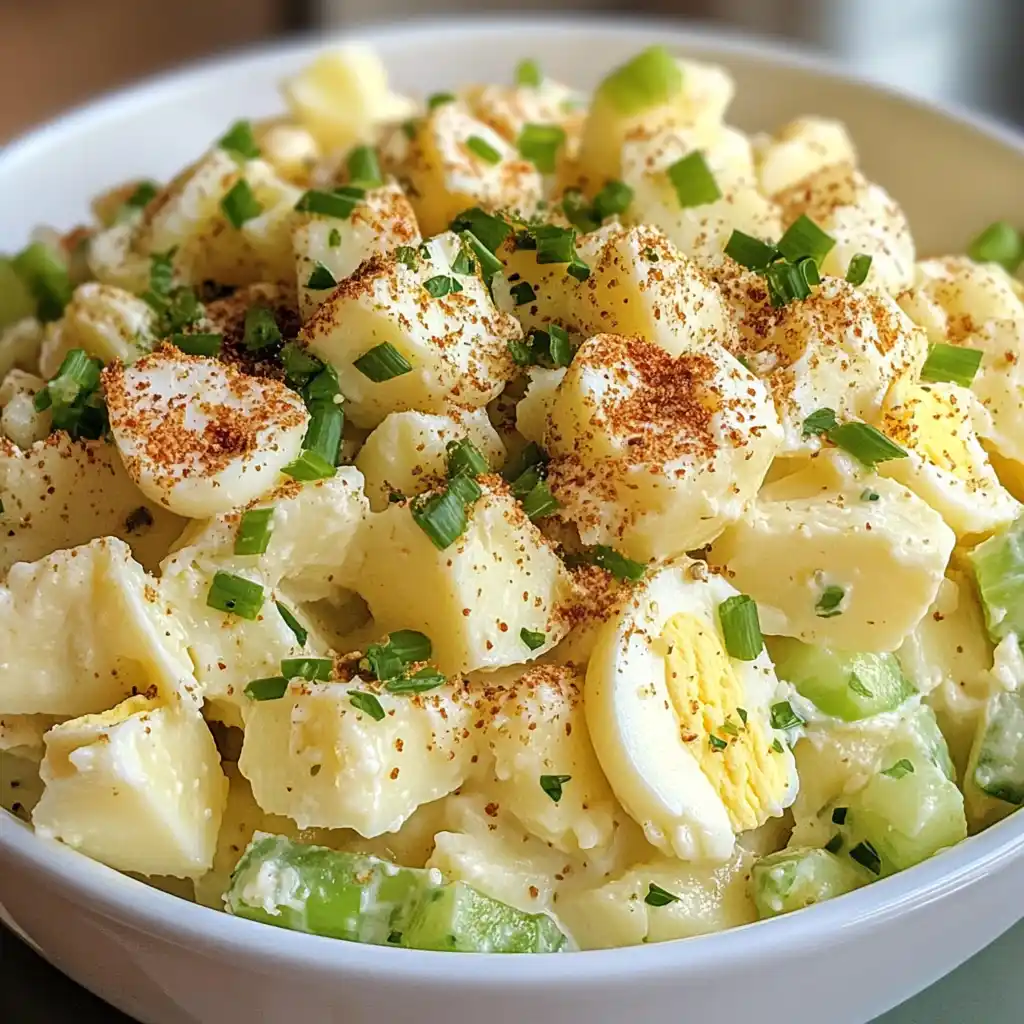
57 53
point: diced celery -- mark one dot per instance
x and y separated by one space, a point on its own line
46 276
325 892
458 918
845 684
794 879
998 757
16 300
999 569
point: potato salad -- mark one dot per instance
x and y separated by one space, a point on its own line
511 521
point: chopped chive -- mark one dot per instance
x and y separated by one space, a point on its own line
323 387
145 192
462 264
650 78
804 238
334 238
410 645
309 466
540 502
789 282
533 640
858 686
382 362
46 276
821 421
419 682
409 128
310 669
439 99
830 601
407 254
532 455
254 530
580 214
865 443
384 662
261 330
619 566
658 897
578 269
999 243
330 204
955 364
751 252
299 364
483 149
717 743
465 488
198 344
552 785
489 228
489 263
323 435
367 703
526 481
859 268
555 244
240 141
835 844
528 73
839 815
272 688
777 746
441 285
442 517
730 728
741 628
902 767
364 168
693 181
292 623
521 352
614 198
784 717
321 278
869 495
539 143
742 712
235 594
465 457
240 204
867 856
522 293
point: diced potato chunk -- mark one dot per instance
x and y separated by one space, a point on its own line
20 421
802 148
139 787
534 407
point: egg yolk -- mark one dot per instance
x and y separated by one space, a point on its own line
935 425
735 755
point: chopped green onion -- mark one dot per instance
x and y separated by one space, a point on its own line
865 443
751 252
835 844
331 204
161 273
198 344
364 168
828 605
419 682
742 712
273 688
489 228
383 362
527 480
652 257
254 529
777 746
334 238
439 99
465 488
647 80
539 143
528 73
555 244
483 149
441 517
716 742
859 268
532 639
323 387
321 278
145 192
580 214
784 717
522 293
532 455
465 457
367 703
323 435
559 346
804 238
383 662
292 623
788 282
839 815
489 263
902 767
310 669
821 421
730 728
407 254
858 686
999 243
240 141
658 897
955 364
614 198
693 181
410 645
261 330
867 856
540 502
235 594
552 785
46 276
578 269
741 628
462 264
409 128
521 352
309 466
299 364
441 285
619 566
240 204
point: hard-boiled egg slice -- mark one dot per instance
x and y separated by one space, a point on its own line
655 455
197 436
946 464
682 729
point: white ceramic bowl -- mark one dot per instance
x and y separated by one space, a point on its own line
166 961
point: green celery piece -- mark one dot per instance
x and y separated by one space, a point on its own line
16 298
999 569
844 684
793 879
324 892
458 918
998 756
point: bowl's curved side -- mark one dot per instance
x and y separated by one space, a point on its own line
154 954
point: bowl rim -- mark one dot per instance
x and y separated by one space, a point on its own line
131 902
